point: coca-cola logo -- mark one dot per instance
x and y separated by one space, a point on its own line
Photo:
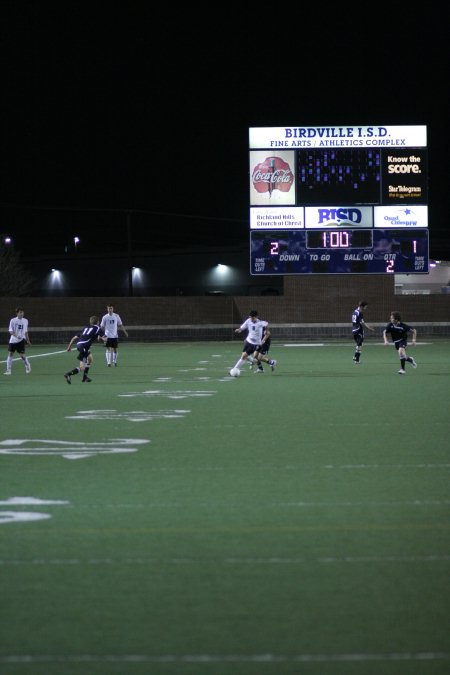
272 174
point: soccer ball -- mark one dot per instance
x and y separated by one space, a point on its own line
235 372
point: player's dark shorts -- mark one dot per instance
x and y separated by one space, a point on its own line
18 347
263 348
249 348
358 337
112 342
83 353
400 343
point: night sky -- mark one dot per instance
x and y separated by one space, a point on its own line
110 107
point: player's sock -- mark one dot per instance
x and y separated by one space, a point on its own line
402 362
85 374
9 362
239 363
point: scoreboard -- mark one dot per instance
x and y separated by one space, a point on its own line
338 200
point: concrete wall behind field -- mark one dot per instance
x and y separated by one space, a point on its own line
306 300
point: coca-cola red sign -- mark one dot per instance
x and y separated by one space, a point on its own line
272 174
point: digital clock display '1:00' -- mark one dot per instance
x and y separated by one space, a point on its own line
321 239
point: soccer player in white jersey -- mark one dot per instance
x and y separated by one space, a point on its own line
255 328
111 322
18 331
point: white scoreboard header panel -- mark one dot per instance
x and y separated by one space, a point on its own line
338 137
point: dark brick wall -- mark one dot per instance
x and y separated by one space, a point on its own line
312 299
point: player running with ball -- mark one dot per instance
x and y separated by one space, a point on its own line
255 328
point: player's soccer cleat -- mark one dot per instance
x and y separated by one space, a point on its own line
402 371
7 372
259 370
68 378
355 359
109 365
413 363
86 379
273 365
28 369
115 365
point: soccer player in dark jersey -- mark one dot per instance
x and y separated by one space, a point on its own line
84 341
358 325
260 354
399 334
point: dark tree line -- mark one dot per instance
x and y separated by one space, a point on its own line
15 280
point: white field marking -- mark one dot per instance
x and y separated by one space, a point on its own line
132 416
61 562
69 449
345 344
387 466
297 560
28 501
168 394
414 502
208 504
21 516
309 344
38 356
227 658
189 370
302 467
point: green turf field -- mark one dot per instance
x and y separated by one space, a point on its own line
168 519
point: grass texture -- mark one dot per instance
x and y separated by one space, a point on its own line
168 519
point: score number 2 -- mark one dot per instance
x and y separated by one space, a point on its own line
390 261
274 246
